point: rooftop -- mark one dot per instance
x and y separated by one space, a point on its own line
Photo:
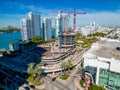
68 33
106 49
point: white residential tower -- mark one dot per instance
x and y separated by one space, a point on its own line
47 28
30 26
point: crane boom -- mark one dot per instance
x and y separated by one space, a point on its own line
74 13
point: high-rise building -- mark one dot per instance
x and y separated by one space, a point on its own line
42 31
35 23
64 19
30 26
25 29
47 28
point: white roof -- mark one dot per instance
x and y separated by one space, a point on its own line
106 49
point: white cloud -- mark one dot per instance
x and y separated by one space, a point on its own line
102 18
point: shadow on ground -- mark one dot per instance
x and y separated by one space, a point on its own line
13 69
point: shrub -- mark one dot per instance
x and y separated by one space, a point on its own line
95 87
81 83
35 81
64 77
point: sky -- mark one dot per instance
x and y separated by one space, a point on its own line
103 12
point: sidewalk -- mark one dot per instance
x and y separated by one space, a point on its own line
40 87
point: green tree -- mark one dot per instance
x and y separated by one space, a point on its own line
42 63
10 30
77 37
31 69
98 34
37 39
34 70
35 73
63 66
69 64
38 71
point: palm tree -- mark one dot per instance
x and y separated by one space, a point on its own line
34 70
42 63
69 64
31 70
63 66
38 71
77 37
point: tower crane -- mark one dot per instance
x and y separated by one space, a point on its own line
74 13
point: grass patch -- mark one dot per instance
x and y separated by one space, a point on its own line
81 83
86 42
64 77
34 81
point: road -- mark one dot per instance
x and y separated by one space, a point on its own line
59 84
68 84
55 85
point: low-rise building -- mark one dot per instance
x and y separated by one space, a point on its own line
26 46
102 61
14 46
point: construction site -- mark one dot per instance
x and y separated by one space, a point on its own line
55 54
64 46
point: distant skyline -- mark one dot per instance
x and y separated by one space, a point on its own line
103 12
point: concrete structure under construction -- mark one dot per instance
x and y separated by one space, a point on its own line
63 47
54 54
66 39
102 61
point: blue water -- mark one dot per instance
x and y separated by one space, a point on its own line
6 38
